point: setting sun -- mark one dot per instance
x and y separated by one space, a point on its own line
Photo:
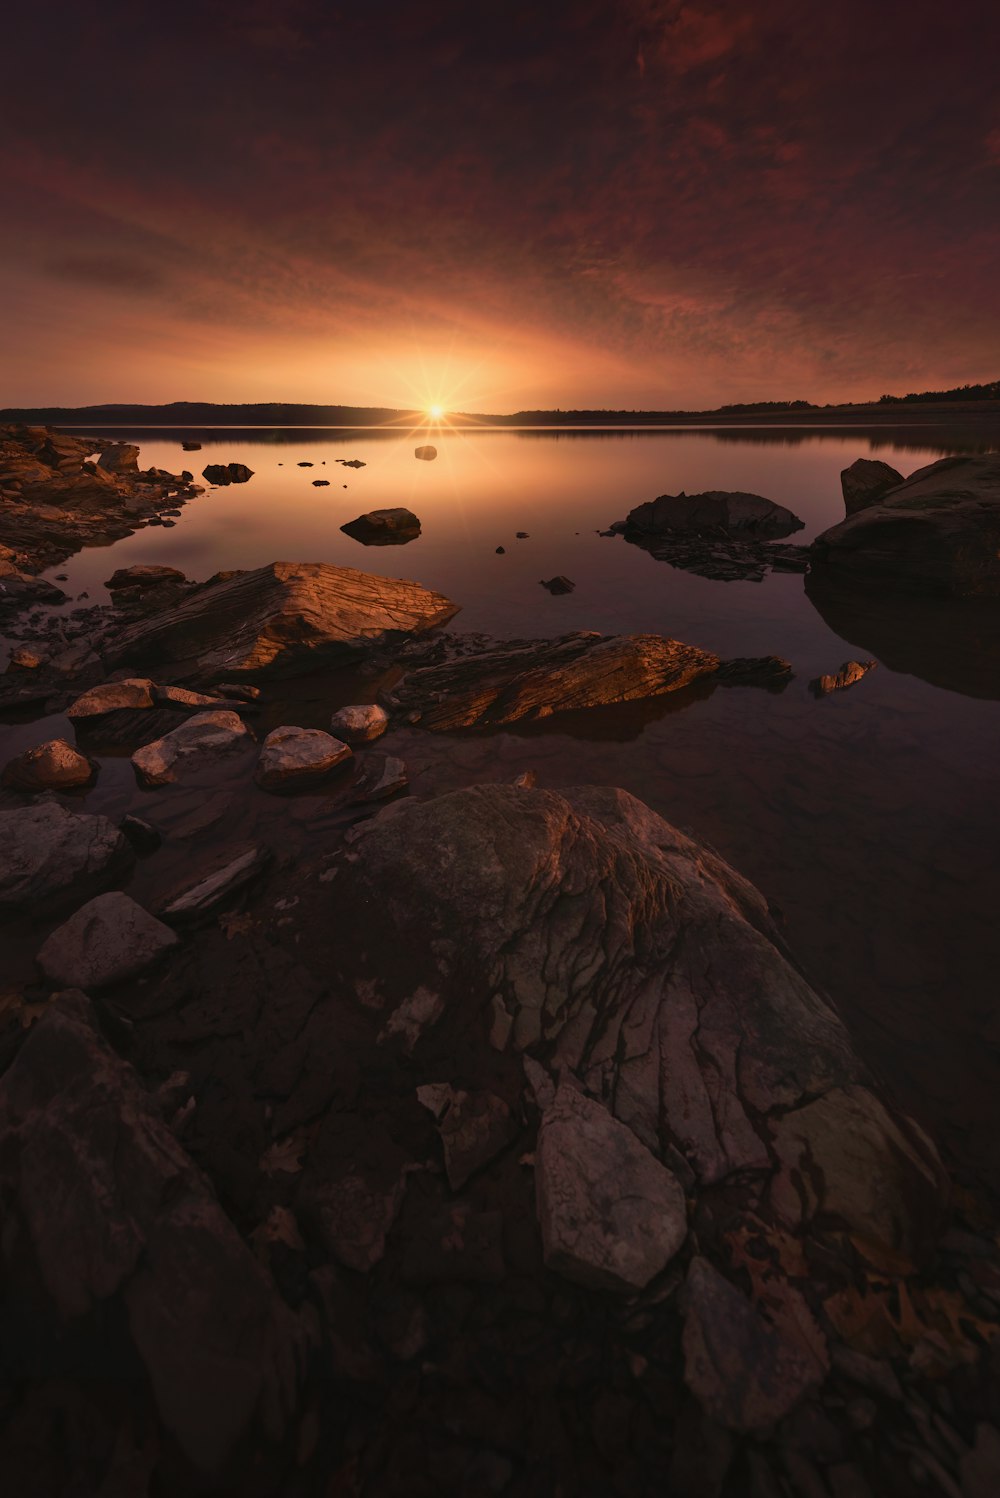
435 412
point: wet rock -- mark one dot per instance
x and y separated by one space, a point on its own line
227 473
201 740
54 765
212 890
559 585
86 1160
290 757
107 940
351 462
381 776
133 692
143 577
183 697
51 857
849 673
716 511
384 527
285 617
744 1373
360 723
936 534
474 1128
612 1217
121 457
536 678
865 481
426 453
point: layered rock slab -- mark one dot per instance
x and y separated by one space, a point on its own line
286 617
536 678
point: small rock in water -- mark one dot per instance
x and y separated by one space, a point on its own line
360 723
558 585
54 765
381 776
227 473
107 940
321 483
501 551
204 737
191 447
522 535
426 453
291 756
849 673
384 527
305 464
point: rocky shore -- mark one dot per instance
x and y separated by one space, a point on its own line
486 1142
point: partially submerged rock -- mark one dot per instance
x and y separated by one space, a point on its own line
211 890
109 939
717 511
849 674
227 473
384 527
291 757
535 678
865 482
426 453
200 740
110 696
51 857
359 723
938 533
289 616
144 576
557 585
54 765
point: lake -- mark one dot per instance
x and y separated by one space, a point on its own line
870 819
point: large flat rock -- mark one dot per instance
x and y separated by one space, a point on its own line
286 617
536 678
938 533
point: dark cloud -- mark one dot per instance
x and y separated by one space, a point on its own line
694 200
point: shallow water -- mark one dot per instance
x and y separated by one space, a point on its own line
870 818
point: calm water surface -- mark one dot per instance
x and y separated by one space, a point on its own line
871 819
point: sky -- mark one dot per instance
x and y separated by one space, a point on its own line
498 206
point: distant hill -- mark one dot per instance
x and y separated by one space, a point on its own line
990 392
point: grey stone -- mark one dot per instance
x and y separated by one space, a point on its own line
51 857
107 940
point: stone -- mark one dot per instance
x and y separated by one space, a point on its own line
51 857
183 697
559 585
142 835
143 577
612 1217
359 723
227 473
937 534
286 617
426 453
321 483
202 739
290 757
25 659
865 481
849 673
536 678
54 765
191 447
121 457
715 511
109 939
86 1161
381 776
384 527
744 1373
238 692
474 1128
135 691
210 891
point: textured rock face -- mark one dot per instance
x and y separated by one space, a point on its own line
50 857
201 740
135 691
360 723
122 457
735 513
535 678
938 533
297 756
384 527
289 616
865 482
107 940
54 765
612 1217
596 936
87 1163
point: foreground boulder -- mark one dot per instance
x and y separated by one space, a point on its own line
717 510
107 940
936 534
105 1204
536 678
286 617
51 857
865 482
596 937
54 765
198 743
384 527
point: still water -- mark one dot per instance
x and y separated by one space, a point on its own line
870 819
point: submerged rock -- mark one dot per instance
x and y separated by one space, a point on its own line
290 757
384 527
360 723
849 673
713 512
206 737
865 481
227 473
51 857
287 617
536 678
54 765
107 940
938 533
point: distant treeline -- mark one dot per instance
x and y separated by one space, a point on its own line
990 392
200 413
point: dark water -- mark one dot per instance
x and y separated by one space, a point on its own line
870 818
